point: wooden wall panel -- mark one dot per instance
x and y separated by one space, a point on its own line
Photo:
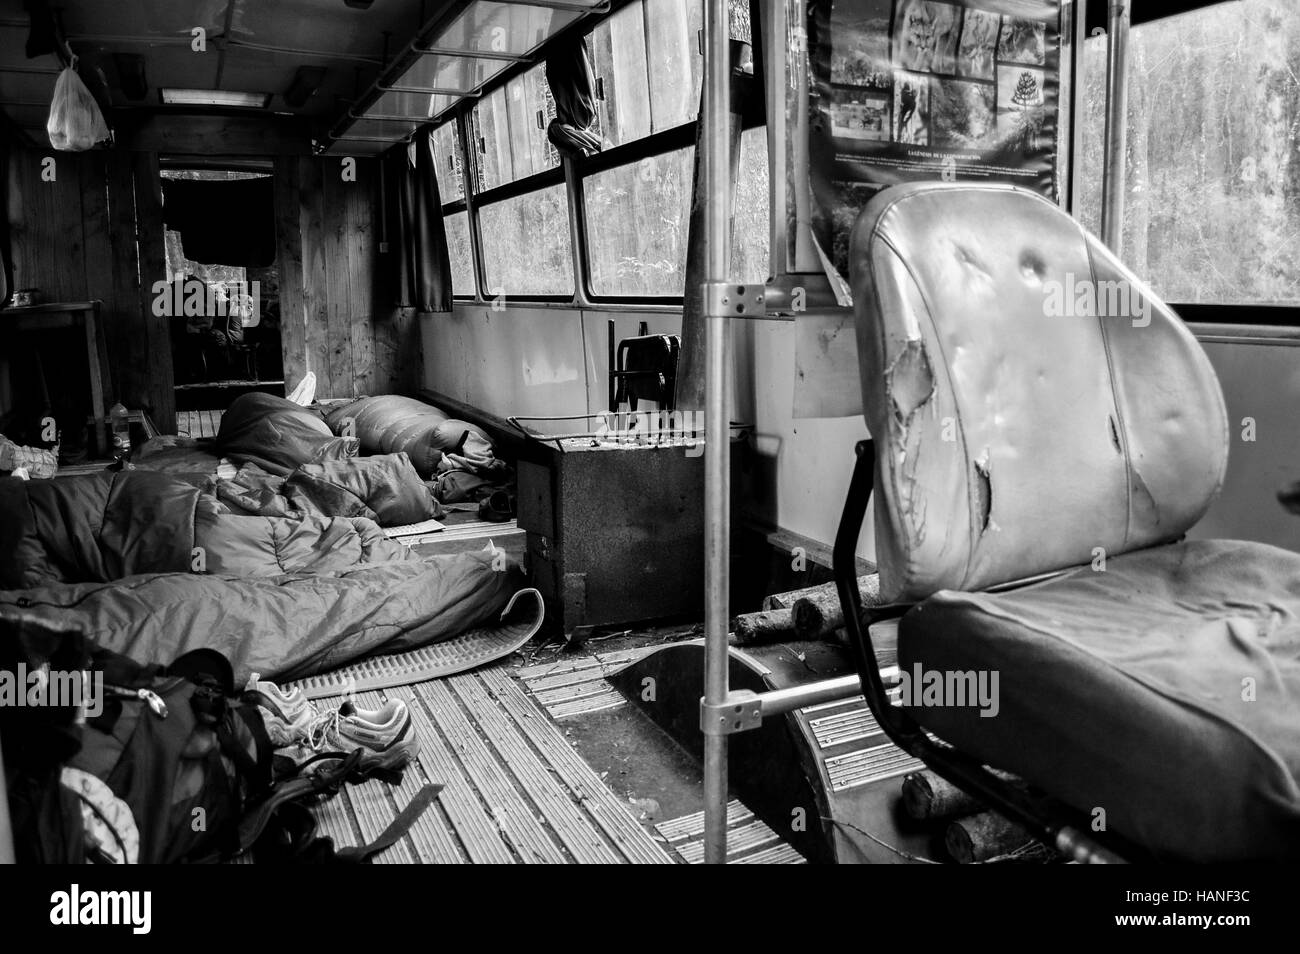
97 232
78 238
289 252
344 329
151 343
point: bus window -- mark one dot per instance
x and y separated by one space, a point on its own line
636 226
530 107
527 249
1211 211
673 49
490 135
446 157
460 253
618 54
637 218
751 214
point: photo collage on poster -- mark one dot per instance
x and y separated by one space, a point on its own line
942 75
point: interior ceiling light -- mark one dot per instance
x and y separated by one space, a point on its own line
214 97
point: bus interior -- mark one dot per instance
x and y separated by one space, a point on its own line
652 431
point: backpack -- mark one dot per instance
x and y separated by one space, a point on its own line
168 765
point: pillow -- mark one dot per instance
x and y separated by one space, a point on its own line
278 435
391 424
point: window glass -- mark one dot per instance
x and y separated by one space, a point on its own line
510 131
492 137
638 214
460 253
636 225
1211 212
752 213
531 108
447 164
618 57
526 244
676 67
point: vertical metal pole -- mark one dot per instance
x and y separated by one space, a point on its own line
1115 145
716 163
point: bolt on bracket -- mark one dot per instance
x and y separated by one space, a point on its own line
741 711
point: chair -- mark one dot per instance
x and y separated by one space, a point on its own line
1045 431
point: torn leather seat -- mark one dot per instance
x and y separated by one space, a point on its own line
1037 410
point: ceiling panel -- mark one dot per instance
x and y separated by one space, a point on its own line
415 105
382 128
352 147
512 28
460 73
328 25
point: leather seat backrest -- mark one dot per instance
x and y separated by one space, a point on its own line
1034 405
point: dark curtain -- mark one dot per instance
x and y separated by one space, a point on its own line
573 86
422 267
223 221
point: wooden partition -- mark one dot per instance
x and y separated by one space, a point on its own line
89 226
336 301
93 229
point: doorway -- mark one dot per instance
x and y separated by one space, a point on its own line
221 299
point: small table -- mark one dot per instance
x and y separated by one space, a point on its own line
69 314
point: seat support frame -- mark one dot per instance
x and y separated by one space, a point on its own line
1048 822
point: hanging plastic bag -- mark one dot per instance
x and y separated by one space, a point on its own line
76 123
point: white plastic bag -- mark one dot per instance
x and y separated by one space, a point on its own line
75 124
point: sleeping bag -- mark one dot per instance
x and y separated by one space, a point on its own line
390 423
277 435
146 566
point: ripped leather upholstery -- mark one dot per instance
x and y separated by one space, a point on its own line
1033 404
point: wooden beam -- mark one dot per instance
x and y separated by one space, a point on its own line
289 248
187 134
155 338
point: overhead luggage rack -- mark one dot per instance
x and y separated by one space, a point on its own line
451 58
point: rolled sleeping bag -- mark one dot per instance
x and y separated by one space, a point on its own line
277 435
392 424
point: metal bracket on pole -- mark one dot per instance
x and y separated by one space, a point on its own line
741 711
730 300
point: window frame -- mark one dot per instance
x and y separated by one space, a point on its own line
573 173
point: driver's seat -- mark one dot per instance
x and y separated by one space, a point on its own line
1148 684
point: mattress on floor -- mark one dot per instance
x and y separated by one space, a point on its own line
1164 691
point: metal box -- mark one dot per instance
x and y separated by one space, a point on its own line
615 532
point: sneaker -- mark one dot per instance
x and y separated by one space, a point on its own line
287 714
385 736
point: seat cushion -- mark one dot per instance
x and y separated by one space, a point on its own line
1163 689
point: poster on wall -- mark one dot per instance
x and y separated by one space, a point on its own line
915 90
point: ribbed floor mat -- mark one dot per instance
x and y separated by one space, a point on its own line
519 622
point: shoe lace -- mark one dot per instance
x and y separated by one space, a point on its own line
323 730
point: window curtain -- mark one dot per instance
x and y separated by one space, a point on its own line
422 266
573 86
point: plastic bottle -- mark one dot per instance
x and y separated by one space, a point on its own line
121 428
